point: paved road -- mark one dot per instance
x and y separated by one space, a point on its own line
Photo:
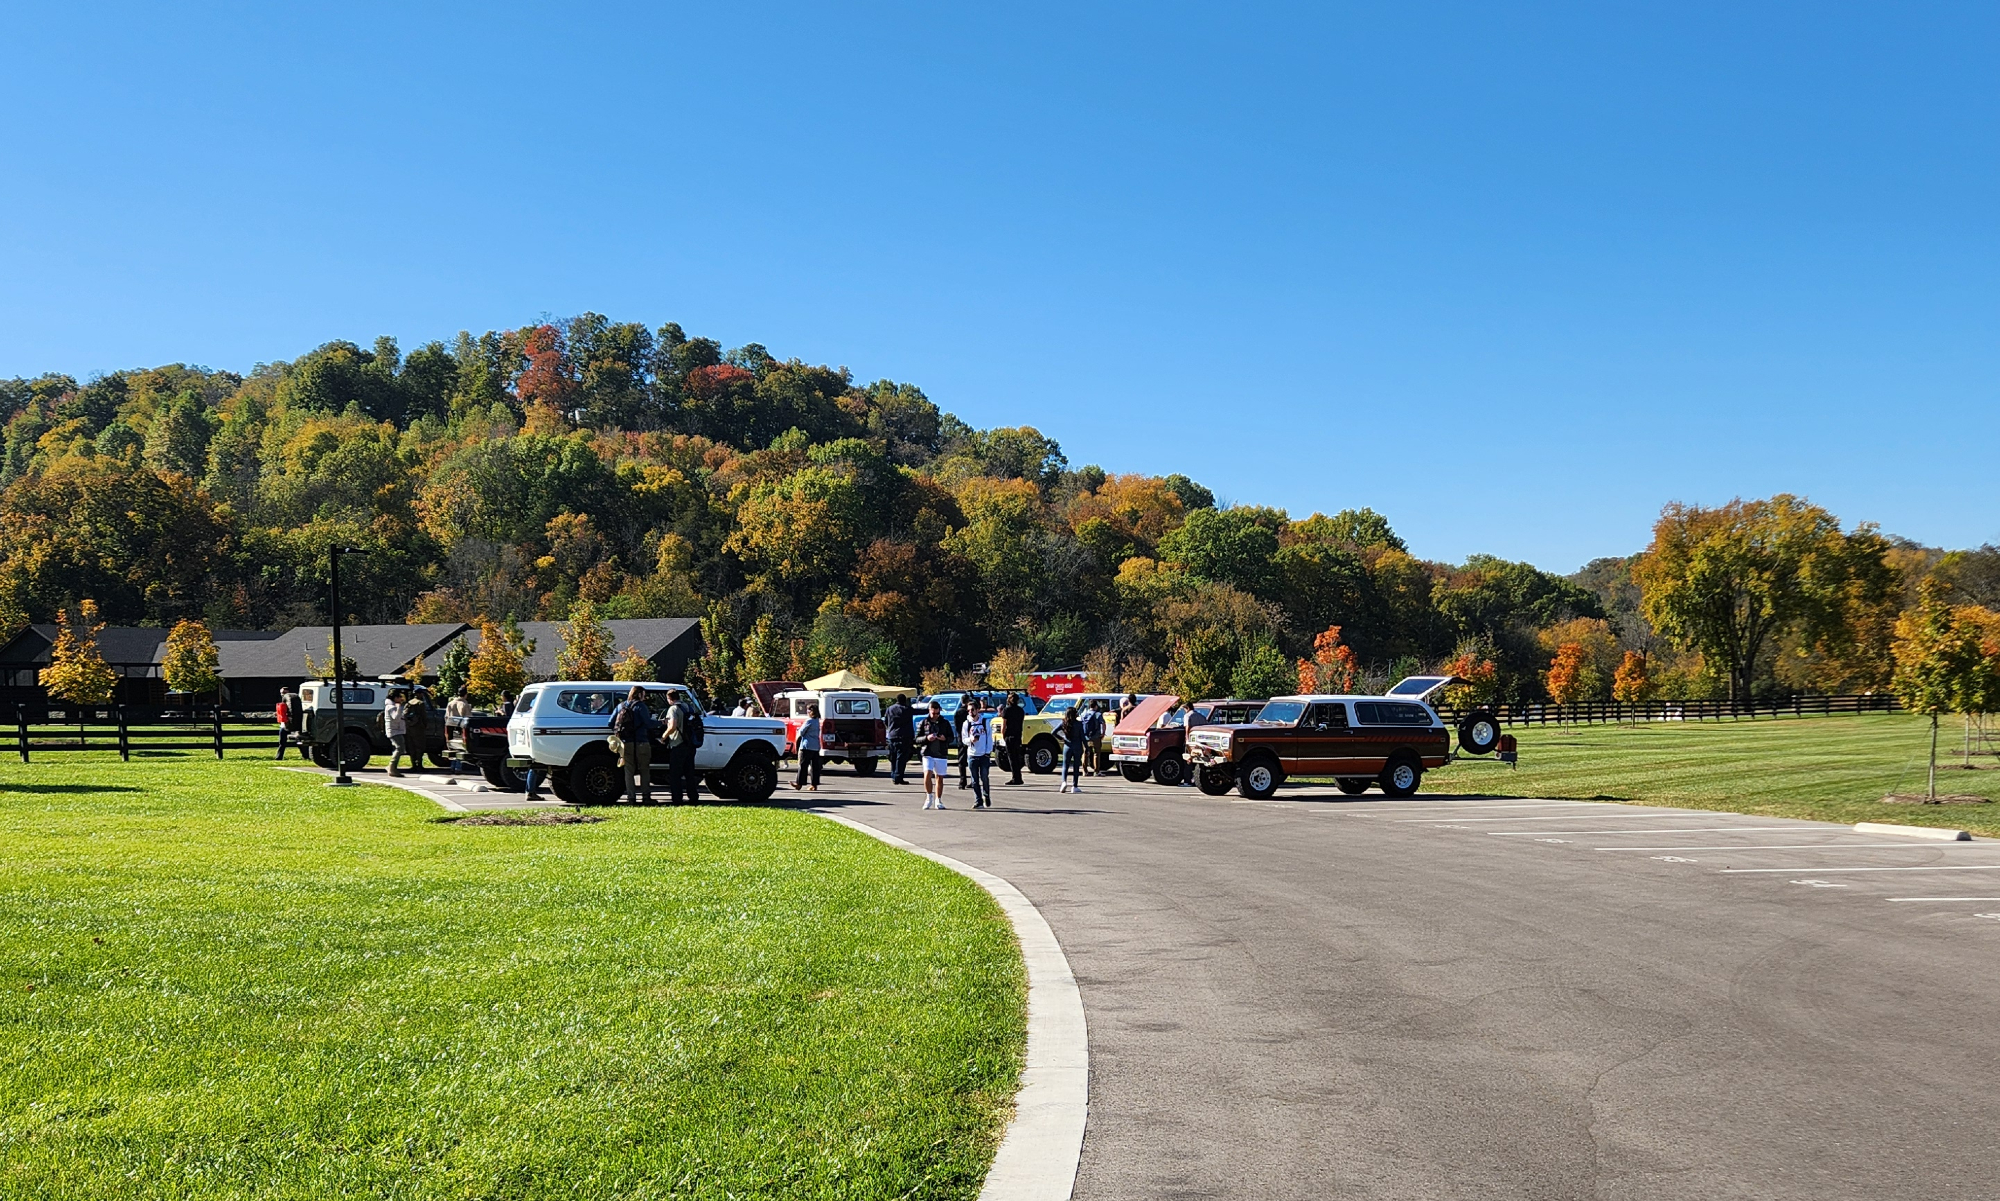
1323 997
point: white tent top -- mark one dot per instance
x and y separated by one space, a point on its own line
845 680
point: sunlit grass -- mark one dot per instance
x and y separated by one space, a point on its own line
222 980
1826 768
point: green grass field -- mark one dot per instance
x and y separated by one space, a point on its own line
225 980
1826 768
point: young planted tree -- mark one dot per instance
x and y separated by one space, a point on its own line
1333 666
586 650
1944 664
77 672
191 664
715 673
765 655
501 667
1568 677
1631 685
454 667
634 667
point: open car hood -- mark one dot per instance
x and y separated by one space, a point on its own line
1144 714
1421 688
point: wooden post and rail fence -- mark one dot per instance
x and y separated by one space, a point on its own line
1611 712
47 730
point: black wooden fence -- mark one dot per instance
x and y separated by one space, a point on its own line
1592 712
47 730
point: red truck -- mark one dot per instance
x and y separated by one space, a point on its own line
851 728
1144 748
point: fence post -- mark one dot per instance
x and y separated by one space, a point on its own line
124 741
21 725
218 729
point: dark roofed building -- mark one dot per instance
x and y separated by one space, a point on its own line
669 643
132 652
253 672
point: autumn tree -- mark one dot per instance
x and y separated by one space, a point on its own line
191 663
715 672
1332 667
1568 677
634 667
1631 685
1726 581
1946 662
1478 674
586 649
77 672
765 655
500 668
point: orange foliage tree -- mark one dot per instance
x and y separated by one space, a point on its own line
1631 685
1566 673
1332 667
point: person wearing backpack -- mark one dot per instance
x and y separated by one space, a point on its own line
683 738
1093 738
632 736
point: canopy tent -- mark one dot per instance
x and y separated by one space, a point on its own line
843 679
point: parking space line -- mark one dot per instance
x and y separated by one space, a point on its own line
1803 846
1674 830
1941 898
1650 814
1935 867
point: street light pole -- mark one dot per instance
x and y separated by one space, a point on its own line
340 778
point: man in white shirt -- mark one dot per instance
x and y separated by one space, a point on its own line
396 724
979 753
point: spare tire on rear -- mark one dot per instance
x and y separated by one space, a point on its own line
1479 732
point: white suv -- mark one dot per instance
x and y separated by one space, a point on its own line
560 730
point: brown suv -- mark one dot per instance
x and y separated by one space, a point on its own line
1358 740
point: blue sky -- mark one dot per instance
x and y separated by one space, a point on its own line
1513 275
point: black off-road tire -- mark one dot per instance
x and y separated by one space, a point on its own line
1259 777
1403 776
1216 781
1479 732
321 755
1044 755
596 778
753 778
1170 770
559 784
718 783
865 767
1354 786
1137 773
355 750
499 775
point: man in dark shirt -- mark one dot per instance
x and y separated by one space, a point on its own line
897 721
1012 714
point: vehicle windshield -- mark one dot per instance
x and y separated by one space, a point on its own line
1281 713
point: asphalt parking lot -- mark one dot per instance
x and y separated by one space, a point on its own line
1442 997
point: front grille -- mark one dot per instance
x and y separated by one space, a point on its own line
1129 742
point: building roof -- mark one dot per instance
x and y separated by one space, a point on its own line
648 635
120 645
377 650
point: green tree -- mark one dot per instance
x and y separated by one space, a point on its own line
715 673
765 655
1944 664
1227 546
191 664
455 667
1727 581
1263 671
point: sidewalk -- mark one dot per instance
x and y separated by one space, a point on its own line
465 793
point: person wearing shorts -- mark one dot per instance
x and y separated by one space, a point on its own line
934 737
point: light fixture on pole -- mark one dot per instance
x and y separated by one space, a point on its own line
340 779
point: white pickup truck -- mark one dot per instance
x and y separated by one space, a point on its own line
559 729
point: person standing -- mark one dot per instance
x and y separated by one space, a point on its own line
979 746
934 737
1012 714
1094 761
742 707
287 716
959 719
808 749
1195 717
896 723
396 724
682 739
1072 760
456 710
632 726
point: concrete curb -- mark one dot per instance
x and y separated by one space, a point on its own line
1038 1155
1931 832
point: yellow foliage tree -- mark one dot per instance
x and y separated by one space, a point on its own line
191 664
586 651
500 668
1568 672
1631 685
634 667
77 671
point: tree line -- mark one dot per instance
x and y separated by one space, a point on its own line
592 469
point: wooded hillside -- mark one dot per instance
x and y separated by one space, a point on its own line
817 522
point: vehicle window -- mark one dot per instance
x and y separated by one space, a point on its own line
852 707
526 702
1059 704
1328 715
1234 715
1281 713
1391 713
357 696
594 702
1415 685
